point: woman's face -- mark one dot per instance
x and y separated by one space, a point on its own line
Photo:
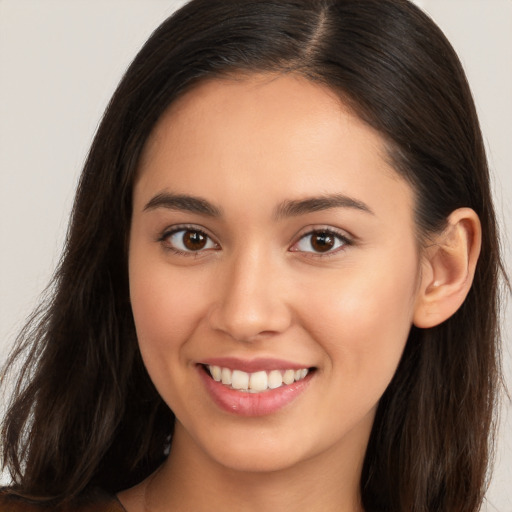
272 246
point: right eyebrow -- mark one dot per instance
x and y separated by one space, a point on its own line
316 204
183 202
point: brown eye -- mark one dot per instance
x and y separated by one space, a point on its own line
194 240
189 240
322 242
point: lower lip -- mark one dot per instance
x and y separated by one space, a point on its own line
252 404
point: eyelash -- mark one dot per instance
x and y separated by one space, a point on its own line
340 242
164 240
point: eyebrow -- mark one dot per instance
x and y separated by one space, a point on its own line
291 208
316 204
183 202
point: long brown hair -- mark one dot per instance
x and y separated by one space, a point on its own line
85 412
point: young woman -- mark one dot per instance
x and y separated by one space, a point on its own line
279 288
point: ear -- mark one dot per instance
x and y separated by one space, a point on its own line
448 269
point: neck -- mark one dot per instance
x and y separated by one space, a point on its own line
190 480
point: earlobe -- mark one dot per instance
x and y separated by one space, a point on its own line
449 264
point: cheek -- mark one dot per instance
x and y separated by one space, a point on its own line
166 309
364 320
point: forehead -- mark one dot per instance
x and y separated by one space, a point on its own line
260 102
282 133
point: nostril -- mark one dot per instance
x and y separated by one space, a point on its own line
249 316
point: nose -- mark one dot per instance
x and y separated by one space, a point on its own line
250 300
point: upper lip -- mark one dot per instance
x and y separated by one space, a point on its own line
253 365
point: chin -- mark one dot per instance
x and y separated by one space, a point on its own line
256 461
251 450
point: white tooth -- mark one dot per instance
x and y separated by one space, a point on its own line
258 381
216 372
303 373
275 379
298 374
239 379
289 377
226 376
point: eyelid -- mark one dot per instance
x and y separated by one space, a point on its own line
346 239
341 235
172 230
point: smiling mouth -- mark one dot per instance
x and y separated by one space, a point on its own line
256 382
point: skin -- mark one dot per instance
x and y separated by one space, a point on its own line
259 289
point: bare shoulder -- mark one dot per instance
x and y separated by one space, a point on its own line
94 501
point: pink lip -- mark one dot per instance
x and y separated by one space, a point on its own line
253 365
252 404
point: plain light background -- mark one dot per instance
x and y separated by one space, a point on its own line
60 61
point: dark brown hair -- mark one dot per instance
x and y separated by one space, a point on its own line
84 410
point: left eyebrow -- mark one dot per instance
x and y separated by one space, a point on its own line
183 202
316 204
